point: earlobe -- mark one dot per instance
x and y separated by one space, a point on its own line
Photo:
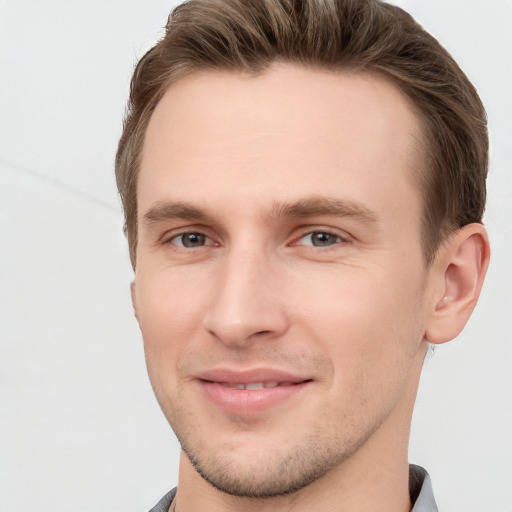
460 267
134 301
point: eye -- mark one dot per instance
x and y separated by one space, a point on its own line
319 239
190 240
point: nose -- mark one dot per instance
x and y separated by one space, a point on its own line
247 302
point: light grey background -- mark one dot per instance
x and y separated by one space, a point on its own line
80 430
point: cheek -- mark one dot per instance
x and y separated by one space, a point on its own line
367 321
167 317
167 302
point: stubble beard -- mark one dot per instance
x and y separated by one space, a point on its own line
313 449
273 474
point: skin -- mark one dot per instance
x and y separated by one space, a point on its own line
335 288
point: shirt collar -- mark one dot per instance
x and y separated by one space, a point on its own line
420 489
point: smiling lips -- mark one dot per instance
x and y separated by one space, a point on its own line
257 385
249 392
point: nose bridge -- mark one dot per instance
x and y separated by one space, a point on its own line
245 302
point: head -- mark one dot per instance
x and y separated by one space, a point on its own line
365 36
303 184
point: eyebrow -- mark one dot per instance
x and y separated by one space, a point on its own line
320 206
303 208
168 210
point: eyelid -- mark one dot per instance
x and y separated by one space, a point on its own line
168 236
207 240
309 230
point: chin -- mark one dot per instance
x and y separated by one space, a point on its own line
266 480
268 473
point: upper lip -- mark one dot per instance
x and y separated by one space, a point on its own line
250 376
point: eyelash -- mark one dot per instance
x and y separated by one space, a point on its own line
181 235
339 239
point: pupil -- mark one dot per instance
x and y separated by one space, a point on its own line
193 240
323 239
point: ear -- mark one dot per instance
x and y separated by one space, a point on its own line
134 301
459 272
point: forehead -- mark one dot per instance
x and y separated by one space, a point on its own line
284 131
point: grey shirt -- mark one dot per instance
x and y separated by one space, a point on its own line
420 490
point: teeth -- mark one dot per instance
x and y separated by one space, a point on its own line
236 386
258 385
254 385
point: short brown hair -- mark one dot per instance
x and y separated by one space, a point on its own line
360 35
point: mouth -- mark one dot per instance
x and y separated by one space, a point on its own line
257 385
247 393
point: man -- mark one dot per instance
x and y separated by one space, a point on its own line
303 184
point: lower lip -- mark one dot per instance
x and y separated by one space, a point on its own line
244 402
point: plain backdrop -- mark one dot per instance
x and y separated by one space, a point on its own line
80 429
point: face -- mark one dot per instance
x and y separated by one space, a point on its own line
280 283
